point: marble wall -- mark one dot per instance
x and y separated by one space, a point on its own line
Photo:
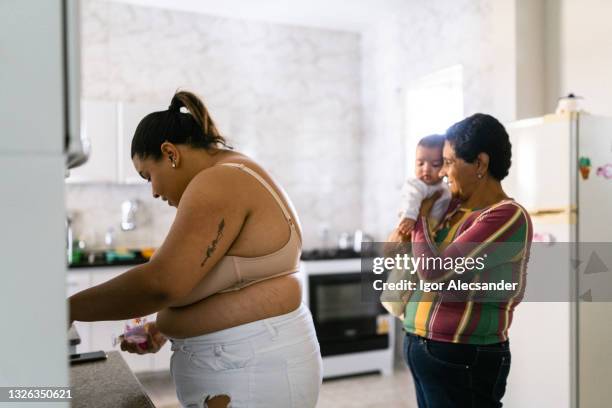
288 96
322 109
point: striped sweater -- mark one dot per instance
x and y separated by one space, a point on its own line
491 231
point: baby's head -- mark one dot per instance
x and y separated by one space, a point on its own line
429 159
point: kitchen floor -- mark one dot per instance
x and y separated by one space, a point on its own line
395 391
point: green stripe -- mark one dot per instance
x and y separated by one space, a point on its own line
440 235
519 234
411 310
486 320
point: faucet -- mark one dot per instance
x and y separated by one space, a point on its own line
128 214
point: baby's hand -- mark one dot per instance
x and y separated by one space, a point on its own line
395 244
406 226
155 341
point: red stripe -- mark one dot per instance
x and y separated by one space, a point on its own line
448 318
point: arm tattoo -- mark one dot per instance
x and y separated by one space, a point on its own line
213 245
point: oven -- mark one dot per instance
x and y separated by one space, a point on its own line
355 332
344 322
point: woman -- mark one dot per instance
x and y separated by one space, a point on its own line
457 348
222 282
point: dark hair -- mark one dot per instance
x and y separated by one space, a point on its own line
481 133
432 141
195 128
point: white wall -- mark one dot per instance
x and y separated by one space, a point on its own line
419 39
530 58
518 57
585 49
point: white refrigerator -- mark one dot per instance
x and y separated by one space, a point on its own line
562 174
40 139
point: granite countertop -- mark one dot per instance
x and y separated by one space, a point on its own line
107 383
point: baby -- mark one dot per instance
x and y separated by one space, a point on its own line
425 183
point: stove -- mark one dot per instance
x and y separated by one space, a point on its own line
327 254
355 336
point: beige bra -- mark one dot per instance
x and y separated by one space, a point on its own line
236 272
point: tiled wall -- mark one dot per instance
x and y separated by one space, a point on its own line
288 96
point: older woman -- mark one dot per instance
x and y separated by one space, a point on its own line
457 348
222 282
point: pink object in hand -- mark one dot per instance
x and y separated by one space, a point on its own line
134 333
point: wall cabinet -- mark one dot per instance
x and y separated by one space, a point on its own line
130 115
110 126
99 335
99 122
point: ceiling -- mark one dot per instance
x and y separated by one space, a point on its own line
343 15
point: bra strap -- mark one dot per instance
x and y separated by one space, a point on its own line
266 185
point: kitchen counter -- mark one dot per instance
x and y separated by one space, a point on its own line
116 257
307 255
73 339
103 263
107 383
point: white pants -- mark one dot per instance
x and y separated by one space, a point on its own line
273 362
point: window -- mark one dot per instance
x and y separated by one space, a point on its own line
433 103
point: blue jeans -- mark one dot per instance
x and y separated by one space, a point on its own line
457 375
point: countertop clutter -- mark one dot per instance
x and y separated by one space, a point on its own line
117 257
136 257
107 383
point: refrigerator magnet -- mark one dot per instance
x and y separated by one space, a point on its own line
605 171
544 237
584 165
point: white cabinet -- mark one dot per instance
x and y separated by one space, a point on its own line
100 123
110 126
130 116
75 282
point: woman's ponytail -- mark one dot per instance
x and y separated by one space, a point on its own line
194 128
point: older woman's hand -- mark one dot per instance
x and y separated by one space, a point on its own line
155 341
428 204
